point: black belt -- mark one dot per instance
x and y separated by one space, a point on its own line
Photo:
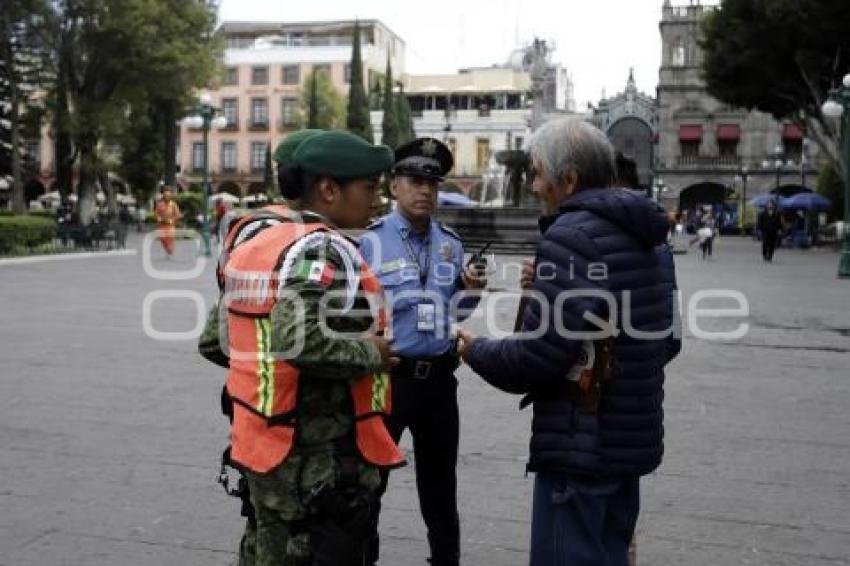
413 368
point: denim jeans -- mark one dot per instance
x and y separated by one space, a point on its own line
582 521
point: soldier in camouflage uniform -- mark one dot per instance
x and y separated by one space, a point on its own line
212 342
313 507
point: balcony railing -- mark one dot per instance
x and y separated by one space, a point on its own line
708 162
257 126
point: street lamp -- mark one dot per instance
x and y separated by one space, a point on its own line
837 106
658 188
804 158
205 116
778 162
741 177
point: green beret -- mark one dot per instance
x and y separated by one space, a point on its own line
284 150
342 155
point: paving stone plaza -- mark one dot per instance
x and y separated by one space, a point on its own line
111 438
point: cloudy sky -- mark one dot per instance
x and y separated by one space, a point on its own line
597 40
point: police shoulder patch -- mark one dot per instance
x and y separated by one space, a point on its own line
449 231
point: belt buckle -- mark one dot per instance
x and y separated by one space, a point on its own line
422 369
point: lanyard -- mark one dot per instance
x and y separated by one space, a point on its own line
423 273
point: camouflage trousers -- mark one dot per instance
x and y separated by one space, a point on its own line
285 514
248 546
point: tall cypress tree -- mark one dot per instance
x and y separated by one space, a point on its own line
405 123
313 106
358 121
268 173
389 125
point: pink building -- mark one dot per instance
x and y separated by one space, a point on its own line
265 66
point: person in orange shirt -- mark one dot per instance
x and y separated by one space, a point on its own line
167 215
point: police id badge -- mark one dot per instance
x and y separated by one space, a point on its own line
426 317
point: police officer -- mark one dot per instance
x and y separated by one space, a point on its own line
420 264
308 406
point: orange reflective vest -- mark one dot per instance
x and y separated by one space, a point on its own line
264 386
275 213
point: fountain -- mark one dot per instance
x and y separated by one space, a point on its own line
508 211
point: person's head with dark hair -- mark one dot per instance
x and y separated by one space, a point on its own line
339 175
567 156
627 175
288 176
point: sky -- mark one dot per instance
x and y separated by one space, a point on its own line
596 40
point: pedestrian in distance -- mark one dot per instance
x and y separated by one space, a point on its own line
167 215
596 387
769 225
420 263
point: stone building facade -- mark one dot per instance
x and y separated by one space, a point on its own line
708 152
629 120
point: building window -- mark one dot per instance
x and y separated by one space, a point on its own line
289 111
258 156
228 157
259 75
483 153
348 73
259 113
230 111
231 76
679 53
792 142
727 148
291 74
518 141
324 67
198 156
689 148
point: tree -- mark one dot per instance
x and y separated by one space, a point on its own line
779 57
142 157
389 125
22 70
268 172
403 117
830 186
121 55
358 121
322 103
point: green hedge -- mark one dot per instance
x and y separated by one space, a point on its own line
25 231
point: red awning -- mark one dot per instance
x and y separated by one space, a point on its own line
690 132
792 132
728 132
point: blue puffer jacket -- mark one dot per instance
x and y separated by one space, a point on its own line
610 240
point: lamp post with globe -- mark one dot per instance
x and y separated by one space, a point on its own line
837 106
205 116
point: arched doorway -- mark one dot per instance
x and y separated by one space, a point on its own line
701 194
694 201
229 187
633 137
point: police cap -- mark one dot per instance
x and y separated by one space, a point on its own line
428 158
342 155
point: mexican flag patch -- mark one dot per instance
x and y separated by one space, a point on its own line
319 271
